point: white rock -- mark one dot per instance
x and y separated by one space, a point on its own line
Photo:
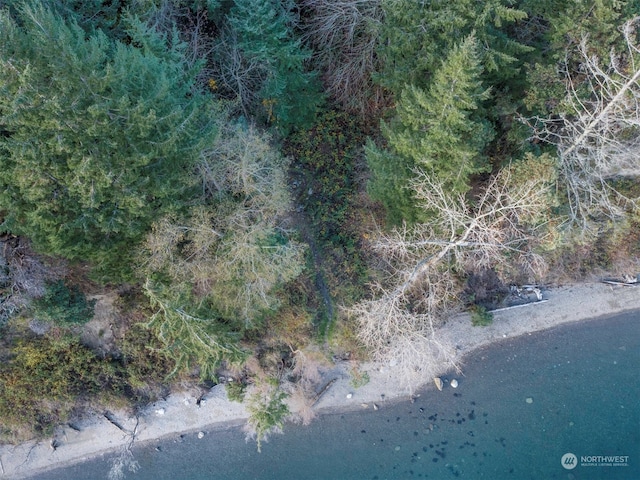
160 411
200 434
454 383
529 400
349 395
186 401
375 407
438 382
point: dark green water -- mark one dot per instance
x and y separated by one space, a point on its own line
583 379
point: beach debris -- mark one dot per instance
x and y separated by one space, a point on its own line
200 434
73 427
438 382
323 391
627 280
112 418
454 383
349 395
364 405
160 411
529 400
375 407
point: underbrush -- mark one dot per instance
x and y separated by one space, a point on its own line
325 173
48 376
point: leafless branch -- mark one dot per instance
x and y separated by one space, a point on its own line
400 325
344 37
598 138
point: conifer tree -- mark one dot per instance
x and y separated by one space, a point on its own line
97 136
290 94
438 131
416 35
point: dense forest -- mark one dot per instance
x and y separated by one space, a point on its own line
199 191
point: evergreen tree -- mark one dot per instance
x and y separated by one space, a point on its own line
96 136
439 131
560 29
390 184
416 35
568 22
290 94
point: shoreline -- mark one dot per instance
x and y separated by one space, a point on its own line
180 413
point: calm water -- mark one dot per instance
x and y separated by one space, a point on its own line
583 380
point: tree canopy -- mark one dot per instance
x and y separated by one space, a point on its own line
438 131
98 136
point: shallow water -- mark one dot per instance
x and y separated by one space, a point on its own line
582 379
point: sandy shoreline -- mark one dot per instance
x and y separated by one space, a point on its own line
180 413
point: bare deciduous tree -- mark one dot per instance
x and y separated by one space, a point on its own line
344 37
238 76
598 138
400 325
234 247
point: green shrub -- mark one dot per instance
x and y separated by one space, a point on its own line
235 391
325 157
63 305
480 316
45 379
145 365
